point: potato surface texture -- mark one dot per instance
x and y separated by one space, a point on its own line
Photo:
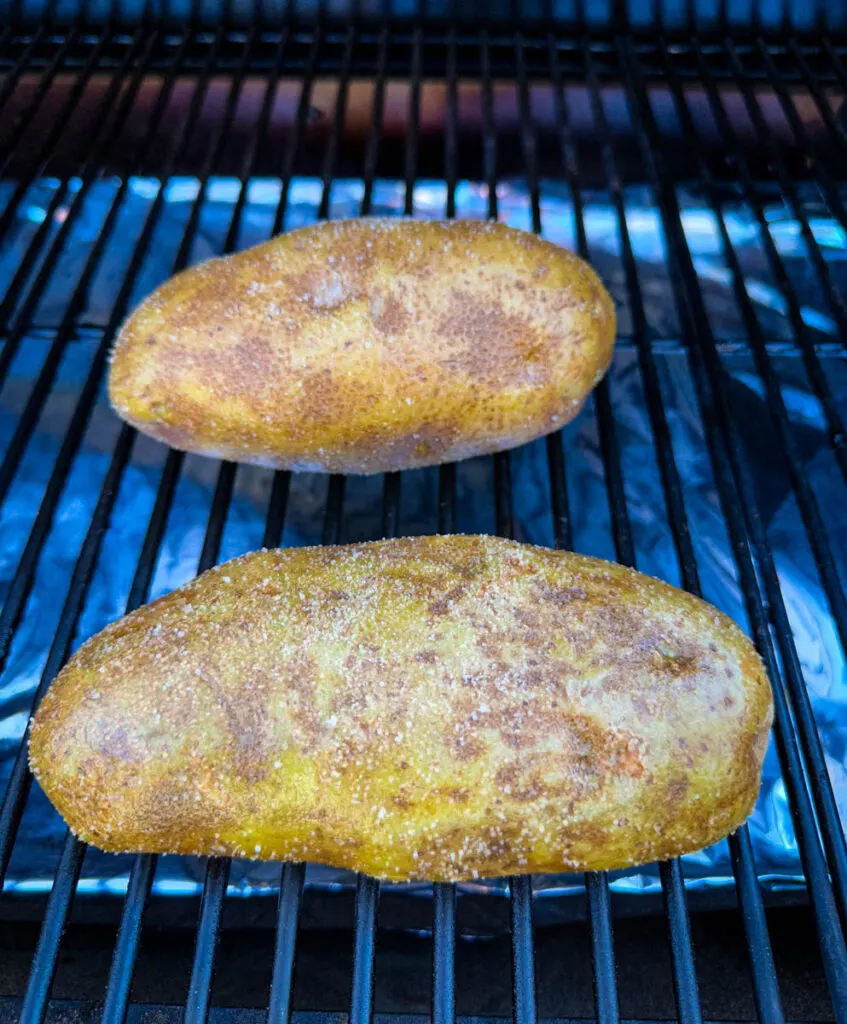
364 346
436 708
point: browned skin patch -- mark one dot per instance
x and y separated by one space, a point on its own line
365 346
561 714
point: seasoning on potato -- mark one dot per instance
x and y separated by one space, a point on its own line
436 708
366 346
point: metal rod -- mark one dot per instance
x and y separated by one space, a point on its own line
364 949
331 154
523 951
208 935
762 967
411 154
451 126
444 954
827 186
55 919
520 887
684 975
444 894
299 127
683 954
597 889
375 133
129 935
602 947
288 914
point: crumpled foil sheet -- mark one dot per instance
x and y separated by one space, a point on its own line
36 851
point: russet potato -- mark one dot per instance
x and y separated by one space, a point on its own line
436 708
364 346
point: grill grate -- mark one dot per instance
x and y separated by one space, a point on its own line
34 69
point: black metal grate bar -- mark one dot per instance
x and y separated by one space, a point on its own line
602 947
411 156
444 954
129 934
144 866
821 786
451 127
372 147
523 951
293 875
805 497
763 971
215 886
55 919
684 975
251 150
364 950
300 122
802 334
761 959
444 894
331 154
290 892
520 887
737 502
833 126
688 1003
208 935
764 978
597 885
217 868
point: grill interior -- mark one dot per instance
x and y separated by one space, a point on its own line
127 155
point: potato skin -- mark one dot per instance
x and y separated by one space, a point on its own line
365 346
436 708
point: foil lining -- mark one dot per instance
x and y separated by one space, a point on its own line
777 860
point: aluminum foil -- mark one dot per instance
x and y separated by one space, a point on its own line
36 851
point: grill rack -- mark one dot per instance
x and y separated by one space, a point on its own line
804 769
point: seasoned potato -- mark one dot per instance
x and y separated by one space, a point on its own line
364 346
433 708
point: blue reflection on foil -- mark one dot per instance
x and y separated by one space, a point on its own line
35 854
